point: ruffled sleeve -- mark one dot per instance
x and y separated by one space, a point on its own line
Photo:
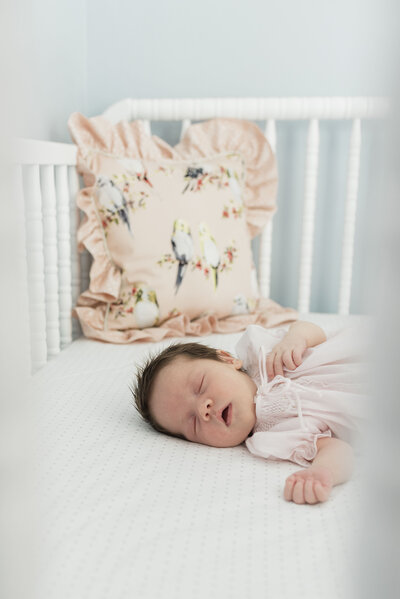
218 136
298 446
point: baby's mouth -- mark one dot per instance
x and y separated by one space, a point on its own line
227 414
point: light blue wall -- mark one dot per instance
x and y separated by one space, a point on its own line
178 48
50 42
86 55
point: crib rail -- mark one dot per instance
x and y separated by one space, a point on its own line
47 179
256 109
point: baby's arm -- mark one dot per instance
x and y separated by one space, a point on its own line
332 466
289 352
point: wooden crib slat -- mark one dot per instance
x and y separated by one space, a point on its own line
73 186
64 254
185 125
350 218
147 126
50 252
264 260
35 265
265 251
307 238
21 250
270 134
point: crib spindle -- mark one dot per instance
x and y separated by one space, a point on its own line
350 218
147 126
20 248
35 265
265 251
185 125
73 186
270 134
64 254
307 238
50 234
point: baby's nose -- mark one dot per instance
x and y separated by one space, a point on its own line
205 409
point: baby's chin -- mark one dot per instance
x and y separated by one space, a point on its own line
231 441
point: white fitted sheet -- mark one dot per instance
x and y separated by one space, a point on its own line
127 512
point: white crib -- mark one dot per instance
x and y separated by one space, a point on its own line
47 179
131 513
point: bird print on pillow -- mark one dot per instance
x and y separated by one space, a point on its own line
146 310
209 251
113 200
182 245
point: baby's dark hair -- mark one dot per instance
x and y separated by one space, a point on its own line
147 373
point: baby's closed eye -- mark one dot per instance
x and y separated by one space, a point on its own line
201 385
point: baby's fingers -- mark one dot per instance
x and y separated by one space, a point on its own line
297 356
287 360
274 365
288 490
270 365
309 493
278 368
322 493
298 491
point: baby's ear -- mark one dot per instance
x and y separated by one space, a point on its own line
229 359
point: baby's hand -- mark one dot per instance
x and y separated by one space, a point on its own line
309 486
288 352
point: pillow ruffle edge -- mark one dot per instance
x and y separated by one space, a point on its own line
267 313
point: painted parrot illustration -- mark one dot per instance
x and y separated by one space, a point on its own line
146 310
182 245
192 174
240 305
234 186
112 198
209 251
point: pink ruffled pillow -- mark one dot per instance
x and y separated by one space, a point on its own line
169 228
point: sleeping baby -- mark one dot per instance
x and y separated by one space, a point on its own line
292 395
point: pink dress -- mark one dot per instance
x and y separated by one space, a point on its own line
325 396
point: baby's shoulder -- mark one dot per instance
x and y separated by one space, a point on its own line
255 337
257 333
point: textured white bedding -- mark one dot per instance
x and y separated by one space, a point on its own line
127 512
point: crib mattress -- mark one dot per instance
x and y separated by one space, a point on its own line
127 512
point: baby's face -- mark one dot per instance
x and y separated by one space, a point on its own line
207 401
